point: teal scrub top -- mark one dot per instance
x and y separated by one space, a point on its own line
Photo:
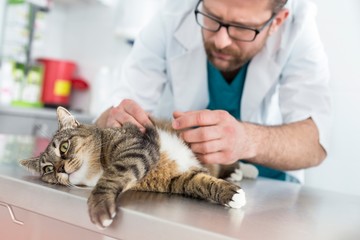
227 96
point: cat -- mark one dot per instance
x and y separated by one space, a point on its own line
114 160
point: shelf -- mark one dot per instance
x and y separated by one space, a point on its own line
40 3
108 3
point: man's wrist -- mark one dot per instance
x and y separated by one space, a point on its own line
255 136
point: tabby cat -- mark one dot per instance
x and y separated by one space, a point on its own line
114 160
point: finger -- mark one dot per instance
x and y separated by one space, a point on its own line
220 157
211 158
134 110
178 114
201 134
207 147
126 118
118 117
195 119
111 122
113 118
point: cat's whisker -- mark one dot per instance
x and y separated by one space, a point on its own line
69 184
81 187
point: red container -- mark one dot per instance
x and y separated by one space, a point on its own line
58 75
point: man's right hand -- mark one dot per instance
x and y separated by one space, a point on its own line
127 111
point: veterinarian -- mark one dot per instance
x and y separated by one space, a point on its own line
246 80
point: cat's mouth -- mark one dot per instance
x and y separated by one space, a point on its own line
70 179
76 173
63 178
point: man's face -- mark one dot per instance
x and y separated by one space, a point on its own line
225 53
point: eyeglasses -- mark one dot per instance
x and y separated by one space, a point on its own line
236 32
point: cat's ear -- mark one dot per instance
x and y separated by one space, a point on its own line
31 164
66 120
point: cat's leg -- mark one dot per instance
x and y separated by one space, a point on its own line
196 183
102 200
125 161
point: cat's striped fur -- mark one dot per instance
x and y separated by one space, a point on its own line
113 160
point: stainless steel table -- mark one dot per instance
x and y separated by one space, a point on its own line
275 210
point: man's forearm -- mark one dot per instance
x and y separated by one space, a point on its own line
287 147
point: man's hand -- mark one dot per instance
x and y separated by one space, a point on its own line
126 111
215 136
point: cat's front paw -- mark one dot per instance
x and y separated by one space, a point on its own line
102 209
238 200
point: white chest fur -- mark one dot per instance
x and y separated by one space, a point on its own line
82 176
176 149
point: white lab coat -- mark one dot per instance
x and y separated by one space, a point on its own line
286 81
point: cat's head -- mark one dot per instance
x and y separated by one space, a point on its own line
71 158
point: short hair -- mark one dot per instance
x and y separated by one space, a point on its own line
277 5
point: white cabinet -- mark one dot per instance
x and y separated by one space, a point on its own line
18 223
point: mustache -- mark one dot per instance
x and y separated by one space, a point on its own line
228 50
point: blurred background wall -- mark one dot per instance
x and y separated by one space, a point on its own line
338 26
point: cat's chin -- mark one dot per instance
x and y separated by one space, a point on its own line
79 180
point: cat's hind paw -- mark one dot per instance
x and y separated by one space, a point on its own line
238 200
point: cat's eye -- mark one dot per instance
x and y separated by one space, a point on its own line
64 147
48 169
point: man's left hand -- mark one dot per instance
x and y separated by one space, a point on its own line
214 136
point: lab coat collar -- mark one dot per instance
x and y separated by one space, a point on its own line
189 72
262 75
189 32
189 75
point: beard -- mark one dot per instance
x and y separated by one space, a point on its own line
230 58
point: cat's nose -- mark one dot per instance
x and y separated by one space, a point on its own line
61 169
